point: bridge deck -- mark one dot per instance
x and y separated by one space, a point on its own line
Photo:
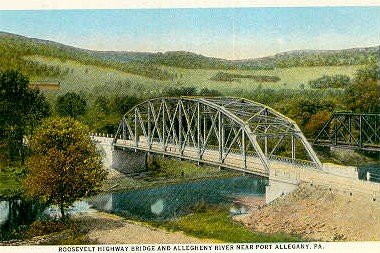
335 176
234 161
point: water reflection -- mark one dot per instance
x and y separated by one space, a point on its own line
175 200
4 212
158 203
17 213
157 207
77 207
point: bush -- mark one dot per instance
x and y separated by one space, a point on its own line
229 77
324 82
40 227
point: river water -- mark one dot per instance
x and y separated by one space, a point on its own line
175 200
158 203
373 169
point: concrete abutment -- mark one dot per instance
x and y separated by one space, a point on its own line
123 160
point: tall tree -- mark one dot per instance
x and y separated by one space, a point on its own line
20 110
65 165
363 95
71 104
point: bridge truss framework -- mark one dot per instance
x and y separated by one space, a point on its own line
351 130
231 132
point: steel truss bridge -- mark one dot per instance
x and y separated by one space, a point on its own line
229 132
352 131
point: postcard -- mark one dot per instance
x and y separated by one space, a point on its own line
224 126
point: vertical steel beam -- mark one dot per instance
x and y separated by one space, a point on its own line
243 148
180 126
350 128
293 149
123 129
199 129
220 136
204 126
163 125
266 130
360 132
136 136
335 135
149 130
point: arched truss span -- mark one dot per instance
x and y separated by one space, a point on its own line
230 132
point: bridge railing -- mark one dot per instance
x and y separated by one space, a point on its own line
102 135
292 176
294 162
237 152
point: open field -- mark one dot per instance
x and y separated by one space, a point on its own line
97 80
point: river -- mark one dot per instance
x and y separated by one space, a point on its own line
158 203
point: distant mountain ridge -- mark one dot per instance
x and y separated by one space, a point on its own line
185 59
148 64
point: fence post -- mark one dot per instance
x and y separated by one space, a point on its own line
368 176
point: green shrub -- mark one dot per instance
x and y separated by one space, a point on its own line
41 227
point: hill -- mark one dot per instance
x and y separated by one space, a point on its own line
150 74
13 47
299 58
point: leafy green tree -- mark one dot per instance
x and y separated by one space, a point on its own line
65 165
311 114
367 74
316 122
363 95
21 109
335 81
121 104
210 93
71 104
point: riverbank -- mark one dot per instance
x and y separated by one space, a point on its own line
168 171
317 213
213 225
94 227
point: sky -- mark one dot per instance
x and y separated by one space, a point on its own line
230 33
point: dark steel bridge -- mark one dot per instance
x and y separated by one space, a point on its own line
351 131
229 132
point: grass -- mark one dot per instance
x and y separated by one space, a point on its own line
171 168
92 79
100 80
168 171
215 223
291 78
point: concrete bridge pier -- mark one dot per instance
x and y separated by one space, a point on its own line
128 161
122 159
279 187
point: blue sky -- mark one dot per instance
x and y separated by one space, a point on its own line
225 32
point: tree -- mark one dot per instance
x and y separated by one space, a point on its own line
65 165
71 104
21 109
334 81
363 95
316 122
